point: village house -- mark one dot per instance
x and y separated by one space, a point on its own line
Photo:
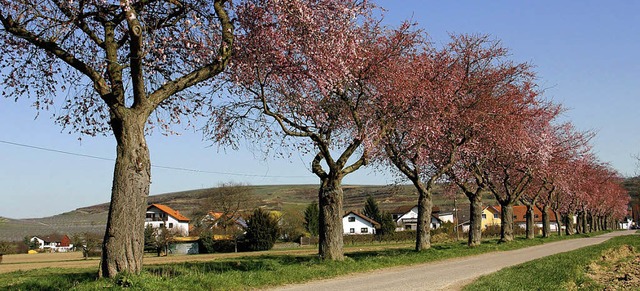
53 243
490 217
406 218
159 216
356 223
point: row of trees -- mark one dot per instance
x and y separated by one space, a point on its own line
324 73
325 78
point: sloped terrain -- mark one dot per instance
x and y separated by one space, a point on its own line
93 218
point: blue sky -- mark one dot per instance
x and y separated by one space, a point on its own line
585 53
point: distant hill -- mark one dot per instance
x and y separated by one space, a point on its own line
93 218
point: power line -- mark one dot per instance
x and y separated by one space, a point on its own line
154 166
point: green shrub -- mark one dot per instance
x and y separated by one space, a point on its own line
262 231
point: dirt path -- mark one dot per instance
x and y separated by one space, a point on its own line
449 274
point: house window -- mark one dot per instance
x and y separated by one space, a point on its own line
170 224
352 219
161 225
352 230
536 216
364 230
408 227
496 216
515 217
484 216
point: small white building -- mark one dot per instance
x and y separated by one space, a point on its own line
446 216
409 220
355 223
159 215
53 243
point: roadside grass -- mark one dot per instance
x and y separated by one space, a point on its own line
251 272
564 271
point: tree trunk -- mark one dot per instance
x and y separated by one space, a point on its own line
568 222
330 225
558 222
546 222
531 233
579 223
585 223
475 223
506 223
423 231
123 244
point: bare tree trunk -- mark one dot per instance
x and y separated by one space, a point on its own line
475 224
585 223
330 244
506 223
530 231
546 222
123 245
425 205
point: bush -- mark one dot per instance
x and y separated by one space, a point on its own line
262 231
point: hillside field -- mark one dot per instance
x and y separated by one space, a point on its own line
277 197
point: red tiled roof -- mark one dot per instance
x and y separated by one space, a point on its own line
520 212
170 211
373 222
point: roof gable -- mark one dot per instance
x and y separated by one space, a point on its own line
367 219
170 211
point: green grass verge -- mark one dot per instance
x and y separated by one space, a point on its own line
564 271
251 272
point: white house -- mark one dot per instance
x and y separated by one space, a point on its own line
355 223
446 216
409 219
627 223
159 215
53 243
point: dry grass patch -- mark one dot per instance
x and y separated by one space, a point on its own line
616 269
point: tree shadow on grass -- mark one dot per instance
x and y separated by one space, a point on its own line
242 264
49 279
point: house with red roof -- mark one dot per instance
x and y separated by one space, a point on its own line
159 215
53 242
356 223
520 217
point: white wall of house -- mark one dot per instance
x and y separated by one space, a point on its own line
354 224
158 218
446 216
409 221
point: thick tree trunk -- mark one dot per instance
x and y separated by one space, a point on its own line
568 222
585 223
475 223
506 223
330 225
546 222
123 244
425 205
531 233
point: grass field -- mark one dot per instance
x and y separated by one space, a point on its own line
244 270
565 271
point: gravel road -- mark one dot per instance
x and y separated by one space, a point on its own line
449 274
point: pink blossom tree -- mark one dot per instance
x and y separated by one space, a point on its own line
491 91
119 63
302 77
